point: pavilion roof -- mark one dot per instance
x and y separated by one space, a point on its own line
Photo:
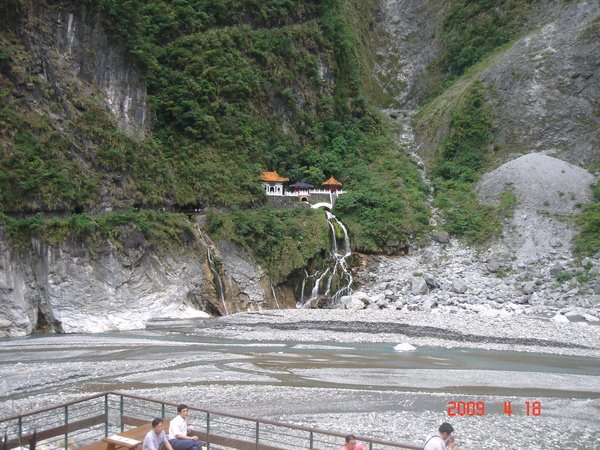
301 184
272 177
331 182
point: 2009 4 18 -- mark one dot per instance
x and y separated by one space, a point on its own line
466 409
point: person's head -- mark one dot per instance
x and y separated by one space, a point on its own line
157 425
445 430
350 442
182 410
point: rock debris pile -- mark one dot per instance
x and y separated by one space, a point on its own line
531 270
454 278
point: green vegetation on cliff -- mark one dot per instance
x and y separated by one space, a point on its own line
474 29
460 163
587 243
281 240
235 86
457 121
165 232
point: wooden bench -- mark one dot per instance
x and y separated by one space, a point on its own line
135 435
117 440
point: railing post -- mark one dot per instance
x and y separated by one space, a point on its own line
312 440
106 415
20 427
207 430
162 410
257 435
66 426
121 408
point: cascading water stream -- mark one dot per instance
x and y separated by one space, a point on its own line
213 268
302 291
340 266
275 297
218 281
340 259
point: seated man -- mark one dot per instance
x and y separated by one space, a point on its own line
178 432
351 444
442 440
155 438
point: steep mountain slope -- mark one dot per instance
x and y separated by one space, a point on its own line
502 120
543 90
500 81
116 114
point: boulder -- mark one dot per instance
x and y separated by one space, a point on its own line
355 303
441 236
459 286
559 318
431 281
493 266
529 288
419 286
429 302
555 269
404 347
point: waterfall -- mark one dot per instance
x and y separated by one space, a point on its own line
302 290
340 260
339 257
217 279
315 290
275 297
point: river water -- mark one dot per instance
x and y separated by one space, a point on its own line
365 388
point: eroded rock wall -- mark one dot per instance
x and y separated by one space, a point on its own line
546 88
72 46
71 288
78 288
71 56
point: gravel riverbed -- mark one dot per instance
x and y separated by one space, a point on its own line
436 328
337 370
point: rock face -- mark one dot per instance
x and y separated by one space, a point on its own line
75 52
247 285
405 49
74 289
546 87
67 289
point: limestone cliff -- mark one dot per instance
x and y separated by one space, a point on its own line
70 51
120 285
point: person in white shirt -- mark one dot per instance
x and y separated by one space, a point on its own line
178 431
442 439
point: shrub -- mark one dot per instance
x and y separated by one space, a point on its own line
459 165
587 242
281 240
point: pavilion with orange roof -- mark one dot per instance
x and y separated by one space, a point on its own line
273 183
332 184
277 186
